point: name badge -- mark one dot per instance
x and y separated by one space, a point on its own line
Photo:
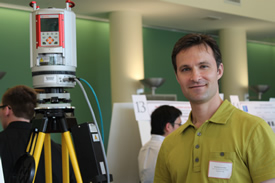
220 170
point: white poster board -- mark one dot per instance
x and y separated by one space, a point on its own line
124 144
127 135
264 110
234 99
144 108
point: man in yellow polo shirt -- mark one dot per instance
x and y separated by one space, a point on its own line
218 143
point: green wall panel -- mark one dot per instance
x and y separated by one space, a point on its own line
261 66
158 46
94 67
14 48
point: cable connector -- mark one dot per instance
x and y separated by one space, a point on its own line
70 79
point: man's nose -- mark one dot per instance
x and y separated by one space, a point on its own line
196 75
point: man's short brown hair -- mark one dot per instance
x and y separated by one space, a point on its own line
195 39
22 100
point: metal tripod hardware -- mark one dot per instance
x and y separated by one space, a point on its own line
46 121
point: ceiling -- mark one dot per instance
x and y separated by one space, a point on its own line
163 15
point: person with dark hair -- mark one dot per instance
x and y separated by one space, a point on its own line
16 111
164 120
218 142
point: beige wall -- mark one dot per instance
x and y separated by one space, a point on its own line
248 8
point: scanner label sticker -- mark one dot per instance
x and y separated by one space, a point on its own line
102 167
49 79
92 128
95 137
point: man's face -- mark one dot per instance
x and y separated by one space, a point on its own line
170 128
197 73
177 123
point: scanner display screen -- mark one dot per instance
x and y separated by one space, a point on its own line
49 24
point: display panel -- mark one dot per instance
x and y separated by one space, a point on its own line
49 24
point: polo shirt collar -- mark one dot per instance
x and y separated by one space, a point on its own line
221 116
223 113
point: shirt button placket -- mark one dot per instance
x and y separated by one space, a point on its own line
197 152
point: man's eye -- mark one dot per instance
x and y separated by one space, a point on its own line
185 69
204 66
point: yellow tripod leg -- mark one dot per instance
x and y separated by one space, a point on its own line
30 147
48 158
65 161
68 139
37 150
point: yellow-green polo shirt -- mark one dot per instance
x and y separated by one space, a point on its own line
230 136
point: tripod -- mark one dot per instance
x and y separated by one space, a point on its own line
46 121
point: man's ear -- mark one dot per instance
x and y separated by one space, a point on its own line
220 71
168 127
7 111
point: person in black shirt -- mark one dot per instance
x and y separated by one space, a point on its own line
16 112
